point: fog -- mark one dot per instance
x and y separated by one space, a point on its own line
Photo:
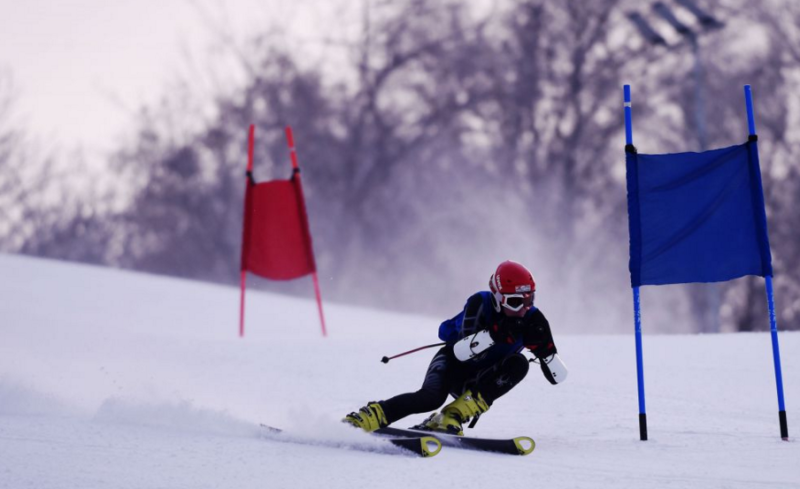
436 140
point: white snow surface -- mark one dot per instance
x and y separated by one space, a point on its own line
112 379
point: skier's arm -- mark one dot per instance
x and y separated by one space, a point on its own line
539 340
472 312
537 336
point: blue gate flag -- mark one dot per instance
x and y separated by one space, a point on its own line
696 217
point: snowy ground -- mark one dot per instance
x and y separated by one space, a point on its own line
119 380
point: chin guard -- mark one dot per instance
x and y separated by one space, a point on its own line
554 369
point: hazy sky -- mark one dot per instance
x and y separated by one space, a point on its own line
80 67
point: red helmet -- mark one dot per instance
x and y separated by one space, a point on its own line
513 286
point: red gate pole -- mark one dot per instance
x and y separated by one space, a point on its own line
304 214
243 285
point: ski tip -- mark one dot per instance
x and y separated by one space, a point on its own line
430 446
424 446
525 444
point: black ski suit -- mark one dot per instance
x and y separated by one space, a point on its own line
493 373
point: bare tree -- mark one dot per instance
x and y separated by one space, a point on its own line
451 142
13 192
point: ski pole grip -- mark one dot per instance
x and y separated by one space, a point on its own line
385 359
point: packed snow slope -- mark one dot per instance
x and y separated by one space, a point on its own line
112 379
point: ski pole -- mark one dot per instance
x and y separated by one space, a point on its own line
386 359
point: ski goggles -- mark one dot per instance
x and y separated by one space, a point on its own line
515 302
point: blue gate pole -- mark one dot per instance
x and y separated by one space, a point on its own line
773 322
637 310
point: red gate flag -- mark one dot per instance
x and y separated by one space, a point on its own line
276 241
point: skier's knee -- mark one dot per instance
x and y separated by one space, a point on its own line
516 366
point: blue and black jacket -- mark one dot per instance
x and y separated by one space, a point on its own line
532 331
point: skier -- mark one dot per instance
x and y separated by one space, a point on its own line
481 360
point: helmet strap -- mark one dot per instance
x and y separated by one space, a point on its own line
495 302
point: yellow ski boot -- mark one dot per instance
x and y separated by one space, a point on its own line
369 418
457 412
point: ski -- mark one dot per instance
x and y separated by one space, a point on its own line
521 445
419 444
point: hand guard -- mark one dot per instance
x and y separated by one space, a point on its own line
473 345
553 369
